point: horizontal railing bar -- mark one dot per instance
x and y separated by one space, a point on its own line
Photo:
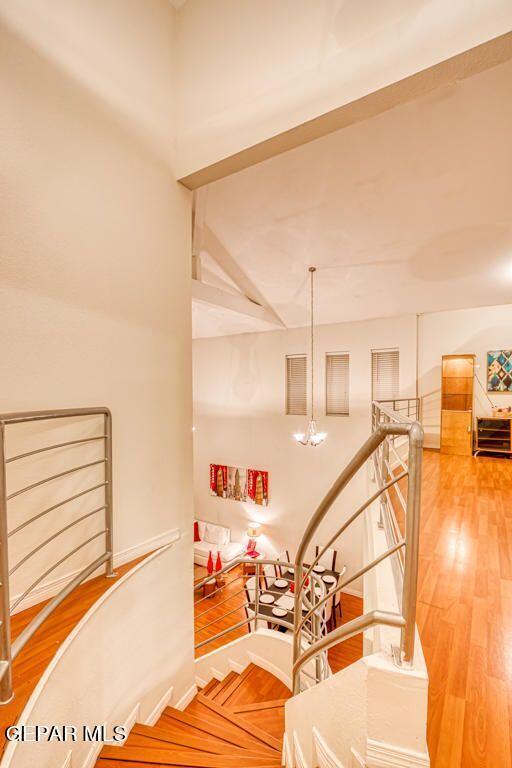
356 575
239 560
224 615
41 617
61 413
223 632
219 589
397 489
395 416
216 605
54 566
351 519
348 630
55 477
54 447
51 538
56 506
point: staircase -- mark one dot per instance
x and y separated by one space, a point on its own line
230 724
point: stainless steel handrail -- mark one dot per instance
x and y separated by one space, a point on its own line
387 424
8 650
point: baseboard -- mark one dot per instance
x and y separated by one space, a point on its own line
92 756
187 697
154 715
325 757
357 760
382 755
299 760
287 759
237 667
52 588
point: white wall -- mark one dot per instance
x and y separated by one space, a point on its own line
95 243
239 419
250 70
464 331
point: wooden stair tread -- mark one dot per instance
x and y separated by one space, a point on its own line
174 738
112 763
188 758
241 723
262 705
219 727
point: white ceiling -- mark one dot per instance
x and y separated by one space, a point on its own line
410 211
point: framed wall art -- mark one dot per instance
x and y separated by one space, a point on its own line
239 484
499 371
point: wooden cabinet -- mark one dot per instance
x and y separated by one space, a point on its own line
494 434
457 383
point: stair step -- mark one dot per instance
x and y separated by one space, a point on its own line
112 763
209 685
218 693
170 737
262 705
218 727
191 759
244 725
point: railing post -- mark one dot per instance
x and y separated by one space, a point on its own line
257 596
5 608
412 536
109 510
297 618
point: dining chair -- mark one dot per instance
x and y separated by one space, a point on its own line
328 559
285 558
336 607
269 575
250 596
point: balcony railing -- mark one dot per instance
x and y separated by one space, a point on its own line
8 649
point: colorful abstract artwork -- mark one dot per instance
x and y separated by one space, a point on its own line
239 484
499 371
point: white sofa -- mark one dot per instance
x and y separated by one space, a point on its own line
215 538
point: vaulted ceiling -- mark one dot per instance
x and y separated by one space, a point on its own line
410 211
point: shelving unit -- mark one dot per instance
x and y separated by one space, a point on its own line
493 435
457 404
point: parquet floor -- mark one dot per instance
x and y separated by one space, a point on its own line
465 609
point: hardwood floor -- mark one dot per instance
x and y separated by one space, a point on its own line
232 598
465 608
34 658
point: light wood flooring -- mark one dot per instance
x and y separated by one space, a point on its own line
465 608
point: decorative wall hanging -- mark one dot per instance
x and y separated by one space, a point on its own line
499 371
239 484
257 484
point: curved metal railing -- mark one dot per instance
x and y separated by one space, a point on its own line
387 425
8 650
314 628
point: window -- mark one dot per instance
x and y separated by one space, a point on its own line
296 370
385 380
337 383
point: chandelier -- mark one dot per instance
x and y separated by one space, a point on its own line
311 436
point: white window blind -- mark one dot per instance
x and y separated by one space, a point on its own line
296 386
385 374
337 383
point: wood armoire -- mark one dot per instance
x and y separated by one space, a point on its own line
457 382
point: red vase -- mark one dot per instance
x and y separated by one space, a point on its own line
209 565
218 563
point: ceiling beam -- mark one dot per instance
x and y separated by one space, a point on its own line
221 256
234 302
458 67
